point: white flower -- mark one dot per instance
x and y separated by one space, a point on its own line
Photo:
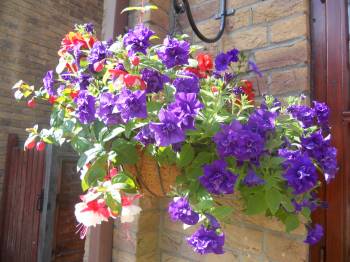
129 212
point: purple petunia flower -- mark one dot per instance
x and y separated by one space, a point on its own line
314 235
180 209
154 80
145 136
239 141
304 114
174 52
131 104
186 106
254 68
106 108
137 39
86 107
189 83
217 179
222 62
169 130
275 104
99 52
233 55
322 111
83 81
320 149
207 240
89 27
49 83
300 173
252 179
261 121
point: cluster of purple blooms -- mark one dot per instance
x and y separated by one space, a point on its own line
207 239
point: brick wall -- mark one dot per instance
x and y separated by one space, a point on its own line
30 35
274 33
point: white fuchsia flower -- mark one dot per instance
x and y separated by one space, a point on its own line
129 210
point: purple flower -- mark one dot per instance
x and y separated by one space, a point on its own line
180 209
186 107
237 90
154 80
49 83
314 235
253 67
320 149
106 108
252 179
145 136
322 111
207 240
240 142
217 179
169 130
303 113
84 80
177 147
233 55
89 27
137 39
300 173
275 103
189 83
86 107
222 62
228 77
261 121
99 52
132 104
174 52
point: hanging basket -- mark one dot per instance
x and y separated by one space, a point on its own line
154 180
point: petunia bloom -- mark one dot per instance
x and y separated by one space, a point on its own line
174 52
207 240
49 83
131 104
154 80
187 82
252 179
180 209
314 235
86 107
169 130
217 179
106 108
137 39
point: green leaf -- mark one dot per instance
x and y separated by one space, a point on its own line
126 152
291 222
205 205
89 155
287 204
113 204
256 204
139 8
97 171
273 199
201 159
222 212
113 133
306 212
125 182
185 156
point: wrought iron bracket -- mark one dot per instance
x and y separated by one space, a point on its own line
185 7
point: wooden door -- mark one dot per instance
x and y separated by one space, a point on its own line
67 245
22 203
330 67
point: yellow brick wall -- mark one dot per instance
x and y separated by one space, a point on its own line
30 36
274 33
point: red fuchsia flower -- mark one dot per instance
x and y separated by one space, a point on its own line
134 80
73 39
129 210
112 173
30 143
40 146
52 99
31 103
205 62
91 211
247 89
135 60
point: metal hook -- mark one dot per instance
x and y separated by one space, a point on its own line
185 7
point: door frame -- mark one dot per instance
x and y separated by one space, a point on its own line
330 84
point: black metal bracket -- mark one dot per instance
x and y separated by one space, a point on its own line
185 7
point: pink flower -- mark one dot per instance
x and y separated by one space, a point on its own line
91 211
129 210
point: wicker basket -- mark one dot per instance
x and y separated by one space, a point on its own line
153 179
